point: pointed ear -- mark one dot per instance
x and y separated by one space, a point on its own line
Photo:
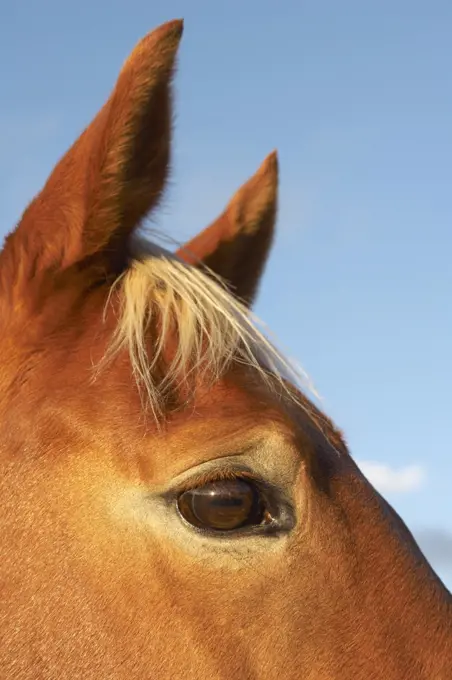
236 246
109 179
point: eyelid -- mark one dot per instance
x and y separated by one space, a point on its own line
219 474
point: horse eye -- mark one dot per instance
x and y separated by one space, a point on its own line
225 505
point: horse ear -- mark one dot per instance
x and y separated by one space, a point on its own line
236 246
109 180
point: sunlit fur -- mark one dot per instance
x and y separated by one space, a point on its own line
101 579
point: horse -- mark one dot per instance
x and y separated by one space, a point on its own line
173 504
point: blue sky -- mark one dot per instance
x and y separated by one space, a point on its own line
357 98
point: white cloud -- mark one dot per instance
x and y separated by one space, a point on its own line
388 479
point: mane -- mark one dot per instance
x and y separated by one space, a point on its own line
214 329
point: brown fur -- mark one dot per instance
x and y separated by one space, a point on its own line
99 577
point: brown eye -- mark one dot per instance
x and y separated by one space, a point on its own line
222 506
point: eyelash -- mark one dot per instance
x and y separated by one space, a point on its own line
218 475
